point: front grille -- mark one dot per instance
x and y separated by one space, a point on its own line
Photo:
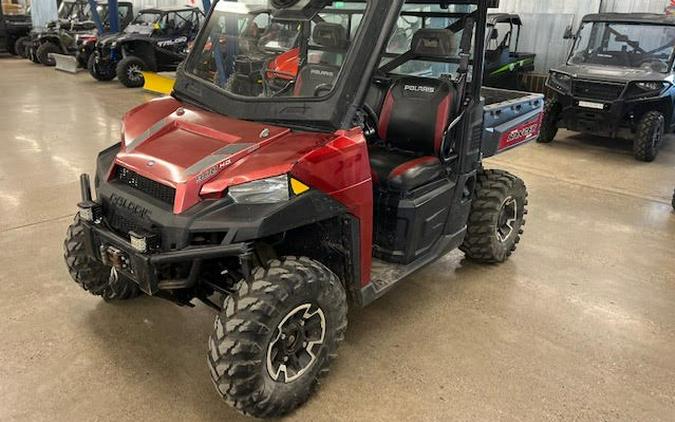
161 192
597 91
123 225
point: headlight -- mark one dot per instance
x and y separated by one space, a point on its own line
652 86
266 191
560 82
647 89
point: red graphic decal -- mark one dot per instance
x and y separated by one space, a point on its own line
526 132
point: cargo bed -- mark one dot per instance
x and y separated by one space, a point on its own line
511 118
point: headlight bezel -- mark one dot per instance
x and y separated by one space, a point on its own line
559 81
271 190
647 89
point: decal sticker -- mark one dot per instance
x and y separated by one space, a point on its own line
146 135
415 88
210 166
326 73
521 134
512 66
168 43
212 171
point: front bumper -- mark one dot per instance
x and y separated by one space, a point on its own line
106 56
148 267
143 268
613 118
608 121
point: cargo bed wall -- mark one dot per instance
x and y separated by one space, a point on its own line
511 119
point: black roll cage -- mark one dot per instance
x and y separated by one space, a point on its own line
513 21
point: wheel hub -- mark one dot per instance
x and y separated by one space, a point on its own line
506 221
134 72
296 343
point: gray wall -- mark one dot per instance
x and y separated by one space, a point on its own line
43 12
545 21
627 6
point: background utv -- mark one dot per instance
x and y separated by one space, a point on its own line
157 40
505 65
15 25
617 82
76 35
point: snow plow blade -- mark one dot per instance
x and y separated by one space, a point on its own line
160 84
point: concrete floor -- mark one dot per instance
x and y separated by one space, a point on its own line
579 325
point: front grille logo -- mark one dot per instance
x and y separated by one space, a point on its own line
125 204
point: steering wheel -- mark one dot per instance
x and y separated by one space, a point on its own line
321 88
367 119
269 75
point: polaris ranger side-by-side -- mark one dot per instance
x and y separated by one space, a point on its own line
157 40
617 82
279 207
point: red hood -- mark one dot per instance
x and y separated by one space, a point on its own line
198 152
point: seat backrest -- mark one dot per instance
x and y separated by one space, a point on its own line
416 111
332 38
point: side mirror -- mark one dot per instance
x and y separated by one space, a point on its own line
622 38
569 33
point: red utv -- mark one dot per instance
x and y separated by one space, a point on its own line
281 207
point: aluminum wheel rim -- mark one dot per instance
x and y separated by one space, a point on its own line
134 72
506 221
295 343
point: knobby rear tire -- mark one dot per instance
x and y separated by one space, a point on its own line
494 188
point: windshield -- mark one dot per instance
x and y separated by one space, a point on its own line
72 10
147 19
102 13
415 18
145 22
624 44
246 51
65 9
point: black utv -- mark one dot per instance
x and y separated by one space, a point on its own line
15 25
76 34
157 40
505 65
617 82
